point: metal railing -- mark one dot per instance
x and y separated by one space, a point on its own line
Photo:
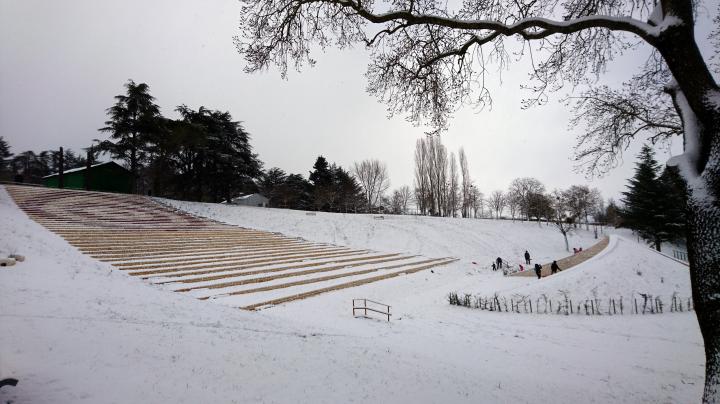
680 255
374 307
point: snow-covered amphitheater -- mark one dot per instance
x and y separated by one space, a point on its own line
132 299
232 265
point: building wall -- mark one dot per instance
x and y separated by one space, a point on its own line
110 178
71 181
253 200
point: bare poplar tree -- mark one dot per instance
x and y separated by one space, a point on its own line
453 189
422 177
373 178
439 174
466 183
428 58
431 176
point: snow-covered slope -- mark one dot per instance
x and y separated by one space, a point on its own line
73 330
624 268
467 239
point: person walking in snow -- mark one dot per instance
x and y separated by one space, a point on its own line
499 262
554 268
538 270
527 257
494 267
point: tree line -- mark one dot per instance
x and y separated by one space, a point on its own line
31 167
442 186
204 155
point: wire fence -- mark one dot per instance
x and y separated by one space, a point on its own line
643 304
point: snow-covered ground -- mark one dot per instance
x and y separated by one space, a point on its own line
74 330
469 240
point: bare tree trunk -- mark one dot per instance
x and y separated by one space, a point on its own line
694 95
704 256
134 163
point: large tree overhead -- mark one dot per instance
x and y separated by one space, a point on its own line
427 58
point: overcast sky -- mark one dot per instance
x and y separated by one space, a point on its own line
61 63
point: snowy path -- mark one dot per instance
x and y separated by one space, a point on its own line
569 261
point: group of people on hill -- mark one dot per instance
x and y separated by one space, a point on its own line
554 267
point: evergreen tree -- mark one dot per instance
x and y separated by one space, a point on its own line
70 160
612 214
29 166
272 185
4 156
348 192
216 154
644 209
321 175
182 149
322 180
673 205
297 192
133 119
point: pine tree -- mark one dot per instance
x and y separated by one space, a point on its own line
4 155
321 178
297 192
612 215
133 119
673 205
348 192
222 162
272 185
644 209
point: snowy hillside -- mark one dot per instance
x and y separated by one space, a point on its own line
467 239
623 269
74 330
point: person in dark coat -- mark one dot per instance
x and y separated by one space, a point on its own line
538 270
554 268
499 262
527 257
494 267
